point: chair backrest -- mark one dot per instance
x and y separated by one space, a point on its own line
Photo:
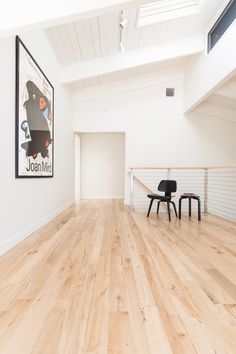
167 186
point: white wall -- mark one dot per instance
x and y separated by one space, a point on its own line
157 132
102 158
77 166
26 204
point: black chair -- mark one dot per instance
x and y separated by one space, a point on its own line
168 187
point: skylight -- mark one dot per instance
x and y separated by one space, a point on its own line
164 10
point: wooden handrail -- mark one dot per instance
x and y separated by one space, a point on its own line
181 167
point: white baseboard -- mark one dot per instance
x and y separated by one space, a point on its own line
20 236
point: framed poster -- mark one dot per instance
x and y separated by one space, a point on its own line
34 117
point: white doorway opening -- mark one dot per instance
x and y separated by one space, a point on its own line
100 165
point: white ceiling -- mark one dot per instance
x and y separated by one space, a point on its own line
92 39
22 16
222 103
228 89
99 36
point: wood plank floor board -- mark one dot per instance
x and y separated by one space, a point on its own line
101 280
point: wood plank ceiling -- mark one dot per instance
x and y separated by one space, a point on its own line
100 36
86 39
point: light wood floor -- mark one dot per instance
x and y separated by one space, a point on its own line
100 280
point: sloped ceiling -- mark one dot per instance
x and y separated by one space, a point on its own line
100 36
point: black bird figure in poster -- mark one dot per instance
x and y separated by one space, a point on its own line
36 127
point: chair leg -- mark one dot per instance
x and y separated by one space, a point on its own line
190 207
158 206
180 202
173 203
150 207
168 209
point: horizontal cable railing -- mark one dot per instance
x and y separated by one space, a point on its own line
216 187
222 192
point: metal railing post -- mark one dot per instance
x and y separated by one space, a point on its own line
205 190
168 173
131 189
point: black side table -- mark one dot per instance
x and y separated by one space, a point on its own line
190 197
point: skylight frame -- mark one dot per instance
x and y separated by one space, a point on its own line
166 10
224 19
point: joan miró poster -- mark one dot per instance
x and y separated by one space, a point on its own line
34 117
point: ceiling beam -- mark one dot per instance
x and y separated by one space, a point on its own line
25 15
102 66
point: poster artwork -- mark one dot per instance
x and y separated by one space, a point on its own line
34 117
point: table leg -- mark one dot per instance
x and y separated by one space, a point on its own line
190 207
199 210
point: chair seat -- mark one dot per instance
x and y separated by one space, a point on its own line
159 197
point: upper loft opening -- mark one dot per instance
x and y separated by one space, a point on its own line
165 10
